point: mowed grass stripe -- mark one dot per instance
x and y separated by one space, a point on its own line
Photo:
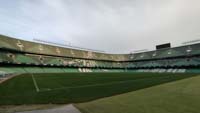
77 79
103 84
175 97
21 90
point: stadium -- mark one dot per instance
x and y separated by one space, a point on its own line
41 77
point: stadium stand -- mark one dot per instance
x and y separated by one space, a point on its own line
18 56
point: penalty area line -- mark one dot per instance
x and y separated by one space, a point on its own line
35 83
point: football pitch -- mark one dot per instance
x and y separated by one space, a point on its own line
175 97
77 87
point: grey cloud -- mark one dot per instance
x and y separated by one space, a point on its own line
115 26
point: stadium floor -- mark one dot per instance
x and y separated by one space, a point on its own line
68 88
175 97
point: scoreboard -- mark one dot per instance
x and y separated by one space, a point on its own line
163 46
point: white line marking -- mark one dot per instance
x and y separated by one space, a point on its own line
35 83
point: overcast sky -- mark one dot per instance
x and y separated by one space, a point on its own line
114 26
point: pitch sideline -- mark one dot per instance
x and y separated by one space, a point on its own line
35 83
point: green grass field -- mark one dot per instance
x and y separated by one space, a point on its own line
76 87
176 97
